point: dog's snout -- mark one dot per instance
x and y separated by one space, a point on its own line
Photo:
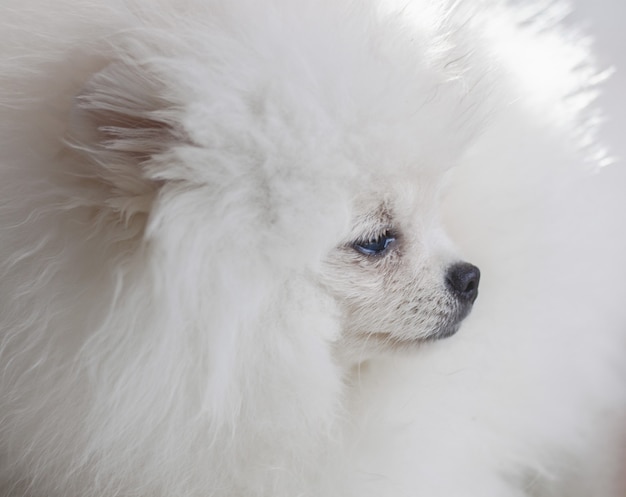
462 280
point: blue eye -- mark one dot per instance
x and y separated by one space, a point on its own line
375 246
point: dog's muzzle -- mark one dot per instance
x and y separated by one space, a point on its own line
462 282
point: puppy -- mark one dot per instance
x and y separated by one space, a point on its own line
224 270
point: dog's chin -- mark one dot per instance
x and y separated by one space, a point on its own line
445 332
387 342
384 341
359 346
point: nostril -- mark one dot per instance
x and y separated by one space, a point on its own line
462 280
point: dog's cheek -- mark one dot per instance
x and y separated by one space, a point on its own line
415 302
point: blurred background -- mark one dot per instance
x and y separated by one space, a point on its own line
605 20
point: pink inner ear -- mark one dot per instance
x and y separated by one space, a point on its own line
136 136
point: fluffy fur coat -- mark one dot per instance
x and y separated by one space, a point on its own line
182 185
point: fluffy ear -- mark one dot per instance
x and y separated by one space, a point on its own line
118 122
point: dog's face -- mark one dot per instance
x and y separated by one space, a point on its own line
396 276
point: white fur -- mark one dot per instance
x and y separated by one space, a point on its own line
181 307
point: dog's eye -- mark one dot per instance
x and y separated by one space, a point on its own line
375 246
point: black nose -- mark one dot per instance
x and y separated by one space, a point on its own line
462 280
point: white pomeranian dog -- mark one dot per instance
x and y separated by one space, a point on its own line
223 264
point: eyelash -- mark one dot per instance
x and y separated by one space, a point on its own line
375 246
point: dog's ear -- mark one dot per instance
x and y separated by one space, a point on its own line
118 123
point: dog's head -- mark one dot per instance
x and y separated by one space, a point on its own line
323 159
396 275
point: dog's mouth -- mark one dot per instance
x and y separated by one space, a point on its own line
446 330
389 340
453 325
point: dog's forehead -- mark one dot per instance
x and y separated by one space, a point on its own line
398 199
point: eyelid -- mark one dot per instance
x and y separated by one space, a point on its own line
388 236
378 232
373 235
